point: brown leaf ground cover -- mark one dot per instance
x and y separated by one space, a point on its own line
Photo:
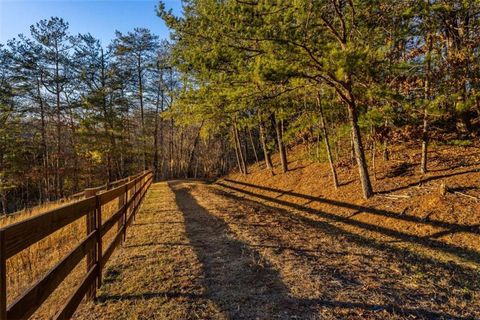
291 247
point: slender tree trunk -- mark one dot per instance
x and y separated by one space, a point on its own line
425 131
253 145
281 145
317 149
196 169
180 163
244 143
360 155
58 184
155 147
3 200
266 153
161 139
142 111
192 149
240 151
327 142
345 91
76 163
358 146
386 153
373 159
171 149
156 168
425 138
352 148
237 155
44 146
108 125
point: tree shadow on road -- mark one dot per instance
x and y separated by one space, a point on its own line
428 242
398 308
236 278
245 286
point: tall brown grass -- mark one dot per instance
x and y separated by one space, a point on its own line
28 266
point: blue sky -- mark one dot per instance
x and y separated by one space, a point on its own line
99 17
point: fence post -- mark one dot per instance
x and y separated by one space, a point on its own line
129 195
121 203
125 212
99 242
139 199
3 277
134 208
92 254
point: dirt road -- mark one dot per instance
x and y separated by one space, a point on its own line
199 251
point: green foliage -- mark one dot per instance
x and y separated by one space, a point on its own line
459 143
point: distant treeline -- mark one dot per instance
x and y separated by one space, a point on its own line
74 113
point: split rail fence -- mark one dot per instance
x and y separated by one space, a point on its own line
129 193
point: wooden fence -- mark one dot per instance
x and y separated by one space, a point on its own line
14 238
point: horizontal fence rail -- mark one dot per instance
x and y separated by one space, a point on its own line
73 197
19 236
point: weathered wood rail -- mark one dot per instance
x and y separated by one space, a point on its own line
14 238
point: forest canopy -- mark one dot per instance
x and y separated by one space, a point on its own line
75 113
373 71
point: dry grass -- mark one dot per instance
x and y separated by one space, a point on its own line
30 212
28 266
303 250
408 209
156 274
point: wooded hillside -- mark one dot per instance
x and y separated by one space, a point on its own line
355 74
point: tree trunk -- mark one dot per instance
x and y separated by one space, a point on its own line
327 142
58 183
196 169
386 153
240 151
155 147
425 131
266 153
352 148
425 138
46 196
192 150
358 147
253 145
170 160
180 163
281 145
161 141
142 112
237 155
373 159
244 143
159 100
3 200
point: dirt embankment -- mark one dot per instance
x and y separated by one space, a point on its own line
439 208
